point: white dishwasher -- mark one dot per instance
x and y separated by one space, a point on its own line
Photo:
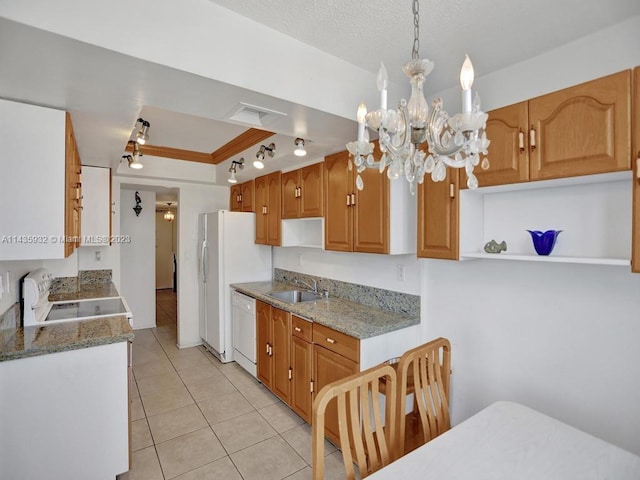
243 313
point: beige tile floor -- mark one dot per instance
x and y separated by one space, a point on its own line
196 418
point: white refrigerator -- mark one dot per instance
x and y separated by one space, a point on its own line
227 254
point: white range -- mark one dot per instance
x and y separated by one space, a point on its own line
38 310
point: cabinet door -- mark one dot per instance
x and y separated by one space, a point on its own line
96 206
274 212
281 353
235 198
507 129
290 199
329 367
635 125
438 207
246 191
261 197
371 213
310 196
264 344
301 364
338 186
582 130
73 189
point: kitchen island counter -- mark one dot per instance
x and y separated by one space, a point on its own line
354 319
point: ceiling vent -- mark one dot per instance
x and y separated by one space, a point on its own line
253 115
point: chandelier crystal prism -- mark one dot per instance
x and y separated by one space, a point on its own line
458 142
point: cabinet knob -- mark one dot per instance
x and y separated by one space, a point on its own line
331 340
297 329
348 200
353 199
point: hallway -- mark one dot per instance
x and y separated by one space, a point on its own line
196 418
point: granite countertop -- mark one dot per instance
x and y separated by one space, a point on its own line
345 316
85 292
59 337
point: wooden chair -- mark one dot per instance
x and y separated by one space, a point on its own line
362 434
425 372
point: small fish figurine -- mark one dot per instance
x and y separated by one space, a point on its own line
495 247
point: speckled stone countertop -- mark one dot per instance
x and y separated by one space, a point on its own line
60 337
345 316
86 291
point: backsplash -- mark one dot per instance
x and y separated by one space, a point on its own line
84 278
396 302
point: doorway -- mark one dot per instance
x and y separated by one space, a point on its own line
166 258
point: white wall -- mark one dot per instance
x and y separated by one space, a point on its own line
138 257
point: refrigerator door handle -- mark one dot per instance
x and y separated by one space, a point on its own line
204 261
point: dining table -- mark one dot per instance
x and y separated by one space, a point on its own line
508 440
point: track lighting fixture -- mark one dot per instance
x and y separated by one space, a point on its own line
259 161
300 151
134 160
142 136
232 170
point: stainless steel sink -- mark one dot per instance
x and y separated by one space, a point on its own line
296 296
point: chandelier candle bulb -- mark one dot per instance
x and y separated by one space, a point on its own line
466 81
362 113
383 83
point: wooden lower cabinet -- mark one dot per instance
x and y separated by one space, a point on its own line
273 332
296 358
328 367
302 375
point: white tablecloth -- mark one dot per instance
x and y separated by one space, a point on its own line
513 442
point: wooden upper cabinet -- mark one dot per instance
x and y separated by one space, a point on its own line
635 128
235 198
338 223
371 213
302 192
260 202
311 191
274 212
355 220
581 130
508 152
290 203
73 191
241 197
246 195
438 212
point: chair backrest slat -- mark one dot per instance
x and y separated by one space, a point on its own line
360 423
430 365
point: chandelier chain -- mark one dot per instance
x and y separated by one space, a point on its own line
416 30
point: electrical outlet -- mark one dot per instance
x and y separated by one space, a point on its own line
98 255
400 272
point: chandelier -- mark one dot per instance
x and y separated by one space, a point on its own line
457 141
169 216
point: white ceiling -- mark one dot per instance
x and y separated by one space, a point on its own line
106 91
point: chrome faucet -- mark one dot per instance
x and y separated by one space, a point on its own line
314 289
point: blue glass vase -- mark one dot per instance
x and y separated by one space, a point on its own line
544 242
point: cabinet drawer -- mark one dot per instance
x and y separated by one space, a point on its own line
337 342
302 328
